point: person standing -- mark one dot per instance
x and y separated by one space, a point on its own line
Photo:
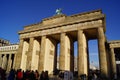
42 75
19 74
36 75
11 75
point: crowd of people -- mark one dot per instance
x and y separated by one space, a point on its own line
21 75
2 74
35 75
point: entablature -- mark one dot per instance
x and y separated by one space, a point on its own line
63 20
65 28
114 44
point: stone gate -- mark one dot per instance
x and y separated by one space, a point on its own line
38 43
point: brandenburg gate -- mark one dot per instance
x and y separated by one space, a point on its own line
38 43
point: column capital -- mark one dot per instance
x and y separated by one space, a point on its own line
21 39
32 37
63 33
31 42
101 34
81 30
112 48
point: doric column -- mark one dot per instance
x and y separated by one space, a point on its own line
82 54
14 60
29 54
0 60
62 52
113 62
24 54
35 55
66 53
42 53
9 63
102 54
18 56
4 63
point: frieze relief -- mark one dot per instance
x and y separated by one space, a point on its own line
85 25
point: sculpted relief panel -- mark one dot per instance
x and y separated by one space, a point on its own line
86 25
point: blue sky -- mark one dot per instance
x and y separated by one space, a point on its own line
15 14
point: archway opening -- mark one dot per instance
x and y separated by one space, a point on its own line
93 55
58 55
75 56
